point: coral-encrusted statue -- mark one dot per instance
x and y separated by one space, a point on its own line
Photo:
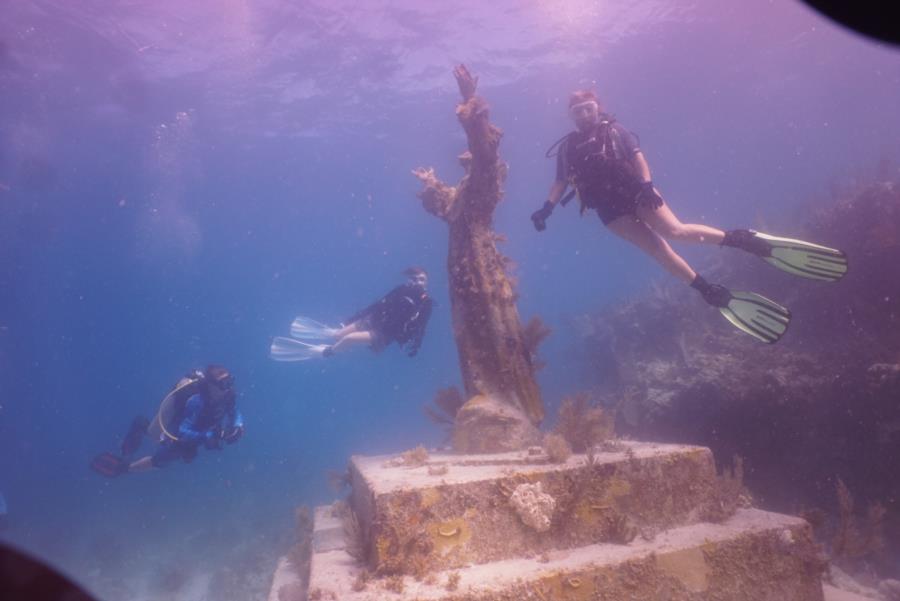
496 354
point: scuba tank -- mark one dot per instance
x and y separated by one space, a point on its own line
171 408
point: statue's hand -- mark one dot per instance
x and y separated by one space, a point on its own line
467 83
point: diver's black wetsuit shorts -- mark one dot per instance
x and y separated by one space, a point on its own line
614 202
172 450
614 206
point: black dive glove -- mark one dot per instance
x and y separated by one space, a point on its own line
539 217
648 197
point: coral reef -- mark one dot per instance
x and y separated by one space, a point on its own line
452 581
354 541
394 584
852 544
362 581
416 457
534 333
533 505
447 402
583 424
820 404
437 470
728 495
495 355
556 448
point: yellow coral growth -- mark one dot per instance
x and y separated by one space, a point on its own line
571 587
449 534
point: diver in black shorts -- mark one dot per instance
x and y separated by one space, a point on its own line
400 316
604 163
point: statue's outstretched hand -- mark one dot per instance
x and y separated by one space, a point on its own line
467 83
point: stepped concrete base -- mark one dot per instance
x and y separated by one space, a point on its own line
836 594
753 556
456 510
286 584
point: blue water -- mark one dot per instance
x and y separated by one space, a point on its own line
179 180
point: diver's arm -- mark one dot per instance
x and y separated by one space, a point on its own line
187 429
421 324
560 183
556 191
235 419
648 197
235 428
641 167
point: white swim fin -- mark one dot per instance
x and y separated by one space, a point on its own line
306 328
289 349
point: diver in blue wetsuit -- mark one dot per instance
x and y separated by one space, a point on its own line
200 411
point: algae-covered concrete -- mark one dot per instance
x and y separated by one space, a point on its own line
753 556
416 522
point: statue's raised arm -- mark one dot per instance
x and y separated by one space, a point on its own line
467 83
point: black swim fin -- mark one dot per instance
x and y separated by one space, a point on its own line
109 465
749 312
797 257
135 436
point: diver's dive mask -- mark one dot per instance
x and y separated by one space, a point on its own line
224 383
585 114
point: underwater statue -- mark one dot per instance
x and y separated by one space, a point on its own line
504 403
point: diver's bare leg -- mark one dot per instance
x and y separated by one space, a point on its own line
347 329
144 464
666 224
644 237
354 338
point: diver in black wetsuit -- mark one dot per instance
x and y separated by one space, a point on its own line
399 316
604 163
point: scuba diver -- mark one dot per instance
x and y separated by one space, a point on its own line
400 316
604 163
200 410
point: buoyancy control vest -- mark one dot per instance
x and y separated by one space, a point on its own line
171 408
600 164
